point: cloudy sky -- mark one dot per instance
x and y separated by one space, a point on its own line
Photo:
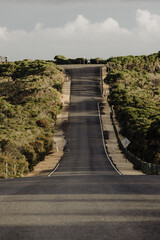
41 29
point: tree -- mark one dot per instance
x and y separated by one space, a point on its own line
61 59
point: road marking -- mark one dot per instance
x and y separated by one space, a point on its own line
54 170
104 142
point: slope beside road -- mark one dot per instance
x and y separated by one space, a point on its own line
85 198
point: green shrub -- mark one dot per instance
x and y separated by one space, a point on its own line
30 100
12 167
30 155
39 149
135 94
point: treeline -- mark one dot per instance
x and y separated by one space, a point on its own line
61 60
30 99
135 94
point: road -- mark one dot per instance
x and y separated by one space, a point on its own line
85 198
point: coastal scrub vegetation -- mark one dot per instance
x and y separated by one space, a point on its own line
135 94
30 99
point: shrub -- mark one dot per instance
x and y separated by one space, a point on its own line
30 100
43 123
39 149
134 92
30 155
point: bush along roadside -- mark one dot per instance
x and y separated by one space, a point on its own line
138 164
30 99
135 95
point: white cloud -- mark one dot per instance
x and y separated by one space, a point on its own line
82 37
147 21
39 27
80 24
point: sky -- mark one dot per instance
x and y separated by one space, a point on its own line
41 29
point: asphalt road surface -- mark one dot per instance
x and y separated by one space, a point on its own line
85 199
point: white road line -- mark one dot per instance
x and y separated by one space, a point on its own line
104 142
54 170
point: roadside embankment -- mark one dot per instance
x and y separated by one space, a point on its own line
51 160
111 143
122 164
